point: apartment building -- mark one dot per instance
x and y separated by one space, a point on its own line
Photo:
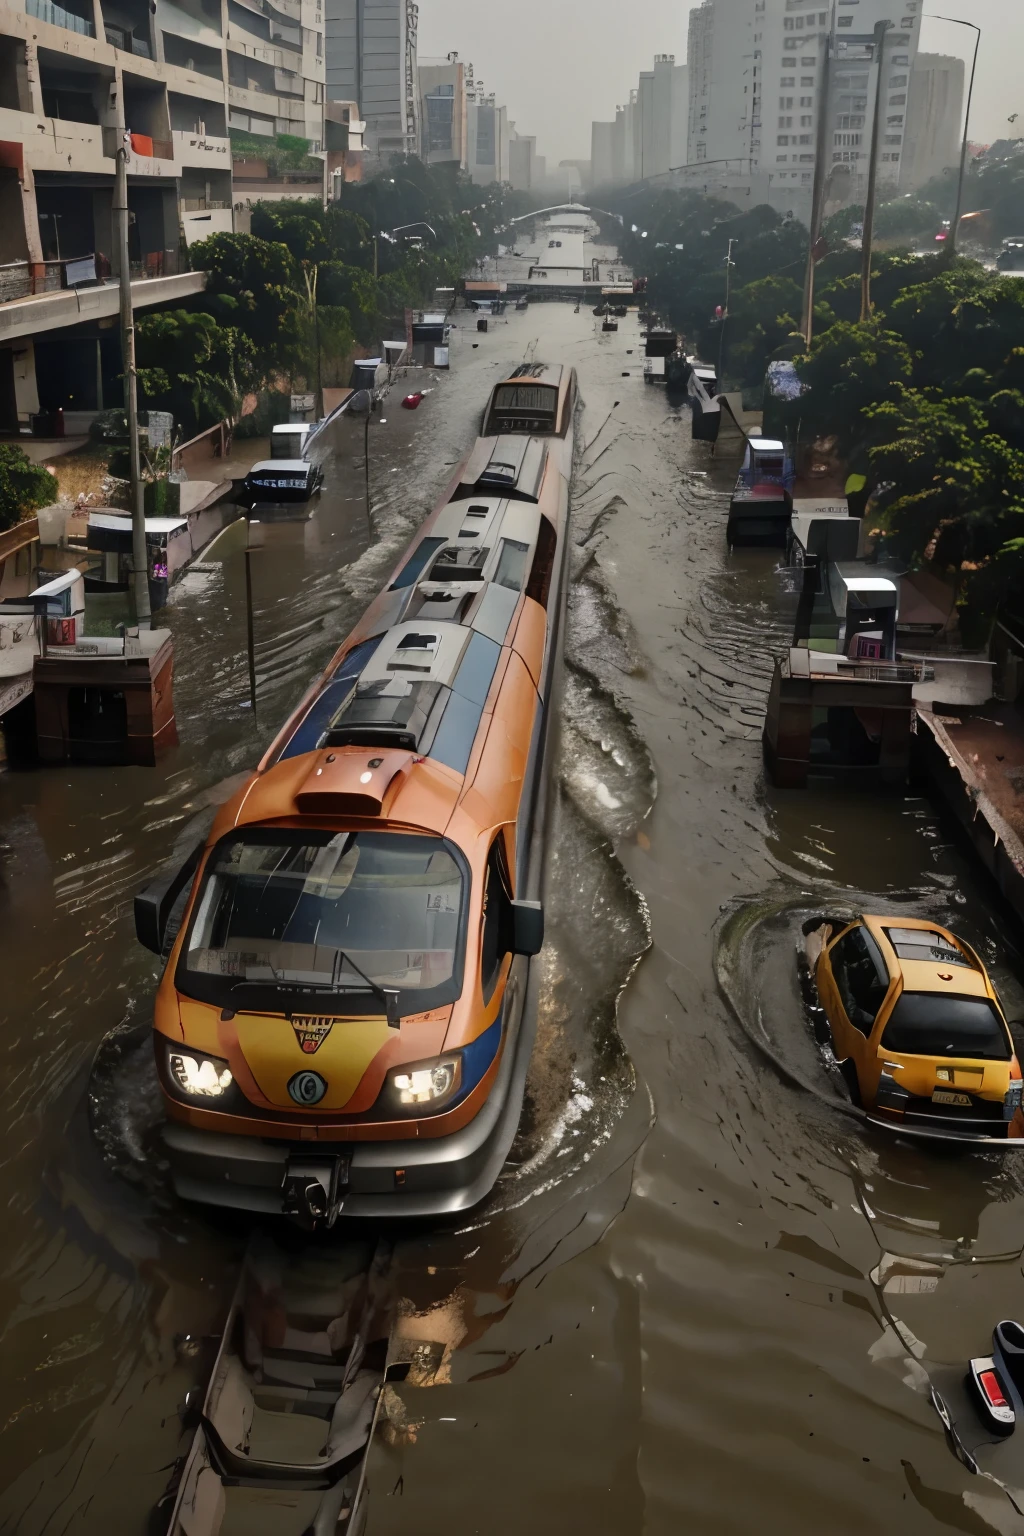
371 57
650 133
935 111
175 75
757 72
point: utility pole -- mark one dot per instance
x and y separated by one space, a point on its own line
725 311
140 554
881 28
954 229
817 190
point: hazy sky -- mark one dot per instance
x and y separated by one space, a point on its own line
550 62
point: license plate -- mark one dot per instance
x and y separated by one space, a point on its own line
944 1096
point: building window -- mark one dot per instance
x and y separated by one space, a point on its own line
805 138
846 21
808 63
896 80
806 159
790 43
806 79
785 122
807 121
895 122
787 80
783 139
806 101
781 159
898 101
805 175
785 101
907 21
891 157
789 24
901 58
850 121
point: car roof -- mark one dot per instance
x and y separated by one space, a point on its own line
929 975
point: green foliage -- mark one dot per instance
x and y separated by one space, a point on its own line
285 152
251 286
849 368
190 365
24 486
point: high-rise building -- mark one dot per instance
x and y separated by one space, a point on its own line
488 140
649 135
756 83
602 156
371 58
934 119
444 130
178 77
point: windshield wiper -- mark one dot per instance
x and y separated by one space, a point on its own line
387 995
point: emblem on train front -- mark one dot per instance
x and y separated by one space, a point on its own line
307 1088
311 1032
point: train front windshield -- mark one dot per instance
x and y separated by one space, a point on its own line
286 912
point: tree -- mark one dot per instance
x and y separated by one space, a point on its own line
951 491
252 285
849 368
24 486
193 367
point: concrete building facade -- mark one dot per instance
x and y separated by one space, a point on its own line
650 133
371 58
488 139
934 119
444 86
175 76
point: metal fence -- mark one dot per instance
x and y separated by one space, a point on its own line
57 16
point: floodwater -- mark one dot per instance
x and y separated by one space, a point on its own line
703 1295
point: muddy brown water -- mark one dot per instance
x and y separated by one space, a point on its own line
701 1296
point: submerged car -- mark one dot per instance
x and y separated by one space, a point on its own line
918 1030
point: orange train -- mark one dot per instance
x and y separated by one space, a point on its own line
345 1019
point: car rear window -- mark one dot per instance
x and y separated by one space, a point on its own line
928 1024
925 944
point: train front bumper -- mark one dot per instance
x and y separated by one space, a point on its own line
434 1177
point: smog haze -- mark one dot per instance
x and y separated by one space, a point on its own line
560 66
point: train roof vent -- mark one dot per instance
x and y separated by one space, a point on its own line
459 564
388 712
414 653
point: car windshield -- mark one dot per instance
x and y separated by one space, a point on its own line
293 912
928 1024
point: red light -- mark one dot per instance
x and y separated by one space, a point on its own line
992 1390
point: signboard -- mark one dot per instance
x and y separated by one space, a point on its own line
81 270
441 357
303 402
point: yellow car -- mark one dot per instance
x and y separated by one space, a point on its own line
917 1028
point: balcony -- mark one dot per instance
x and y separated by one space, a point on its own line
57 16
201 149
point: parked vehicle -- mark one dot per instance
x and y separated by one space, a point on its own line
918 1030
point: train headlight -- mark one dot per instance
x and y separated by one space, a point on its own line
425 1085
198 1076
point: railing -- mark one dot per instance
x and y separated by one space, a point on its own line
200 204
57 16
25 279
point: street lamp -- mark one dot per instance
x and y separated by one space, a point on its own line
729 264
955 227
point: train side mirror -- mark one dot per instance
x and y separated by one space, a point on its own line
155 904
527 928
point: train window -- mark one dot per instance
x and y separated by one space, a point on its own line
497 934
512 564
282 911
330 701
539 584
453 744
417 563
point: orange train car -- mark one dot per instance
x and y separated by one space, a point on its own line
346 1014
